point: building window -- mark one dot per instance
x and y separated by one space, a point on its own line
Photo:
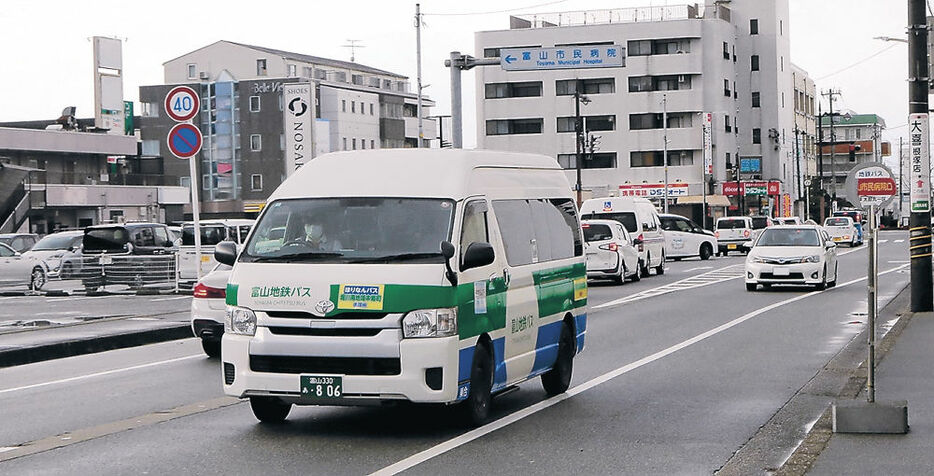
281 141
495 127
590 123
665 46
755 62
307 71
261 67
256 182
726 88
653 158
567 87
726 50
279 98
340 76
343 105
353 143
151 148
653 120
857 133
659 83
597 160
150 109
184 181
363 144
362 110
757 136
192 71
513 90
344 143
353 106
320 74
372 144
371 112
356 79
755 99
256 142
754 27
254 104
292 71
726 123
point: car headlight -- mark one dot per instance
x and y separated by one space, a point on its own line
430 323
756 259
54 263
811 259
240 320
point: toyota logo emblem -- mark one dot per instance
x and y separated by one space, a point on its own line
323 307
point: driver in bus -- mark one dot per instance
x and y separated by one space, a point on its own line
318 240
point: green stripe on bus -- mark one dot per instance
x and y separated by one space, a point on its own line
554 288
231 294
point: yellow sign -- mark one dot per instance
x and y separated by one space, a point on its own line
580 289
359 296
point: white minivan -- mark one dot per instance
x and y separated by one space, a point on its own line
641 220
420 275
212 233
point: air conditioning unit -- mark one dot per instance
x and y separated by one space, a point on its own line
204 76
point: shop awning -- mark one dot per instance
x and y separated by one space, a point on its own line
712 200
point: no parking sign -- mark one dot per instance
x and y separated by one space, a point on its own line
184 140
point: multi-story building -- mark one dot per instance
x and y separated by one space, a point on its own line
805 130
729 59
243 160
859 133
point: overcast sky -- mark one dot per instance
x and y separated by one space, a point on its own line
47 53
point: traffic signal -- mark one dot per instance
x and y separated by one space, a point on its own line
853 149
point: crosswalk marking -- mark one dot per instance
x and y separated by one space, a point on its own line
712 277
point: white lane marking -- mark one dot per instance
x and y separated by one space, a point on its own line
174 298
99 374
7 448
899 241
900 261
883 241
698 268
476 433
711 277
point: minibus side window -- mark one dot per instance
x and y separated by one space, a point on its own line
515 227
572 225
474 227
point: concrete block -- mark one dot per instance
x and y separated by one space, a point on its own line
857 416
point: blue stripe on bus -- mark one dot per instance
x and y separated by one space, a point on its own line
546 346
580 322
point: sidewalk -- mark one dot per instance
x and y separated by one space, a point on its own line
906 373
23 346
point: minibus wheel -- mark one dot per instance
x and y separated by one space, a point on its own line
270 409
476 407
558 379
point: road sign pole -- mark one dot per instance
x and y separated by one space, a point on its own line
457 128
195 211
872 301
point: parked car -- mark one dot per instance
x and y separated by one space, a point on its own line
640 218
128 239
684 239
803 255
859 219
20 242
60 254
208 309
842 230
610 251
732 234
759 223
18 271
212 233
131 254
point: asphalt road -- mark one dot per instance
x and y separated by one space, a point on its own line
679 372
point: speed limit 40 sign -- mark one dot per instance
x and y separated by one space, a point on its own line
182 103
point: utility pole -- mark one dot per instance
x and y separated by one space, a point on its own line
418 69
833 143
922 291
458 62
900 180
579 139
665 144
797 160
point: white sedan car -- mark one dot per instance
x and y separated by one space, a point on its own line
610 251
209 308
802 255
683 238
15 270
842 230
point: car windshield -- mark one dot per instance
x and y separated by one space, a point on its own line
597 232
54 242
836 222
731 224
760 222
789 237
628 219
210 235
106 239
352 230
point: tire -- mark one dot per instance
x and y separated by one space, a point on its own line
751 286
705 251
212 348
645 265
660 269
823 284
476 408
833 283
37 279
558 379
621 278
270 409
638 276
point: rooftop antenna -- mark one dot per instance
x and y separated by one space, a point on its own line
353 47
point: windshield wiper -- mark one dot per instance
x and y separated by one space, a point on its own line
307 256
398 257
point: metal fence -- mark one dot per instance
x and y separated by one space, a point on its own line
94 272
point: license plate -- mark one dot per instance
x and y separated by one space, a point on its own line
321 388
837 238
731 247
106 260
781 271
205 258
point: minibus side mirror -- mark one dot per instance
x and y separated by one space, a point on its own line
448 251
478 254
226 252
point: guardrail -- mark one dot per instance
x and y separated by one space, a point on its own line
95 272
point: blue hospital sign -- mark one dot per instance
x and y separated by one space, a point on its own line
568 57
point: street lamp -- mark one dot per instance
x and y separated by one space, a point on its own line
579 99
889 38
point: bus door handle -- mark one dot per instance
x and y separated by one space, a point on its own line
506 276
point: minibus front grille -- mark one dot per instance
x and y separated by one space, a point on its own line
330 332
281 364
340 315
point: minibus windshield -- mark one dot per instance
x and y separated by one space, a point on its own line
352 230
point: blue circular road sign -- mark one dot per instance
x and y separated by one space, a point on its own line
184 140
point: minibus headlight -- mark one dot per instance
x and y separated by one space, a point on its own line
430 323
811 259
240 320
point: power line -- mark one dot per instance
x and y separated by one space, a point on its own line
495 11
877 53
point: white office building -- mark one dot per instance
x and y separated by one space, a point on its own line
730 60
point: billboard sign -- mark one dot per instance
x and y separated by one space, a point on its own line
298 118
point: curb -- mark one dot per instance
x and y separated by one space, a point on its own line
71 348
